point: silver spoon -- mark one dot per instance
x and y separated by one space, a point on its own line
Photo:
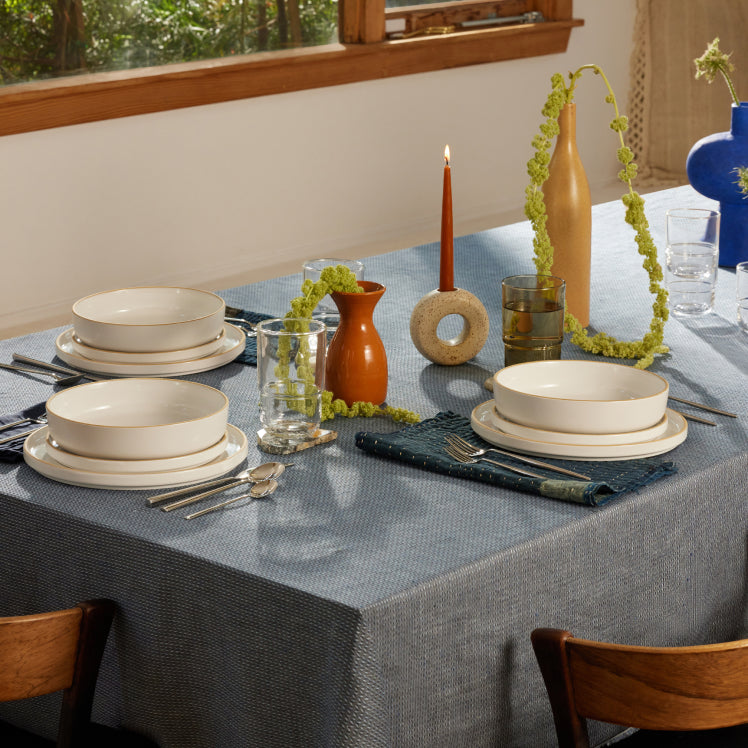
258 491
62 380
260 473
248 478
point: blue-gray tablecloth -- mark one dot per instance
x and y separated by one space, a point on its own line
372 603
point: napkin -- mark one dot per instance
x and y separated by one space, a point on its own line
13 451
249 356
423 445
250 350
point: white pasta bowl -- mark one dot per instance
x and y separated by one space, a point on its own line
137 419
581 397
148 319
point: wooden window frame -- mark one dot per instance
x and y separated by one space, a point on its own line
365 53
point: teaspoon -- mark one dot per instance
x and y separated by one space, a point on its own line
258 491
260 473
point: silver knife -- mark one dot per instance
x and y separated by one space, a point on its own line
55 367
13 437
203 495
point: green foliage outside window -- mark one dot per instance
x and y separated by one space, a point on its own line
46 39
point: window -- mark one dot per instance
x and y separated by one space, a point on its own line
42 39
375 42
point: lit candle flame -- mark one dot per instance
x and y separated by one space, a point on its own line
446 155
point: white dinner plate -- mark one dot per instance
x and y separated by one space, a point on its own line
37 455
232 345
97 465
160 357
483 421
563 437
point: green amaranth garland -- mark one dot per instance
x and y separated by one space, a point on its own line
537 168
340 278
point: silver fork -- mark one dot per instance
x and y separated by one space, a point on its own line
462 457
41 418
251 332
470 450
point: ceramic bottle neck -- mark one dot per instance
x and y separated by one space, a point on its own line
739 124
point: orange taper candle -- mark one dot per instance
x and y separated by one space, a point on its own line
446 267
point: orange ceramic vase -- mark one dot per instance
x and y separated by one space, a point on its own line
356 367
568 205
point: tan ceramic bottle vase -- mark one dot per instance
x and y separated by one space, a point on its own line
568 205
356 368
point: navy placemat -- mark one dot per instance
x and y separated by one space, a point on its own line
423 445
13 451
250 350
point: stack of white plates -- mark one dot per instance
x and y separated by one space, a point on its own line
136 433
583 410
150 331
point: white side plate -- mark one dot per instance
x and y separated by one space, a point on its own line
232 345
37 455
562 437
161 357
484 423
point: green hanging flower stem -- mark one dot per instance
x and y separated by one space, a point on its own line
331 279
645 349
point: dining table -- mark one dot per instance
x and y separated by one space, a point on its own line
373 601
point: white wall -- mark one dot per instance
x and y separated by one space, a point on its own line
220 195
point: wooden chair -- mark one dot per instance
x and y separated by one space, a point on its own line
59 651
655 688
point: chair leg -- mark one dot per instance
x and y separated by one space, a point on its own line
77 701
550 651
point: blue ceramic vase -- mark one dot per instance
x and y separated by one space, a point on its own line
711 167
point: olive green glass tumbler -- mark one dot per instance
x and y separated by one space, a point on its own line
532 318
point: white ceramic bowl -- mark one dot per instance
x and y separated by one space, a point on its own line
137 419
148 319
582 397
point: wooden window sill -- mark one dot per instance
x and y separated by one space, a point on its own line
88 98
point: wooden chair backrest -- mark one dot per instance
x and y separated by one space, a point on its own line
57 651
657 688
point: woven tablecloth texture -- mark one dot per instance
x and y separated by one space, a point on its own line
372 604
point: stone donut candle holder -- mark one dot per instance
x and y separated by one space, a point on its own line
432 309
447 299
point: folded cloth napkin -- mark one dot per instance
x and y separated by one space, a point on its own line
423 445
250 350
13 451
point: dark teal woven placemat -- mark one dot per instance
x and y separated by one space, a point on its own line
422 445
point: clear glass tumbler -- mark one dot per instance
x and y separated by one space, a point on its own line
532 318
691 259
291 377
741 278
326 310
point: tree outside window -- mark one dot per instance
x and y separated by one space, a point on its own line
47 39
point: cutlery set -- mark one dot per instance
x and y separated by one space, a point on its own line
263 477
